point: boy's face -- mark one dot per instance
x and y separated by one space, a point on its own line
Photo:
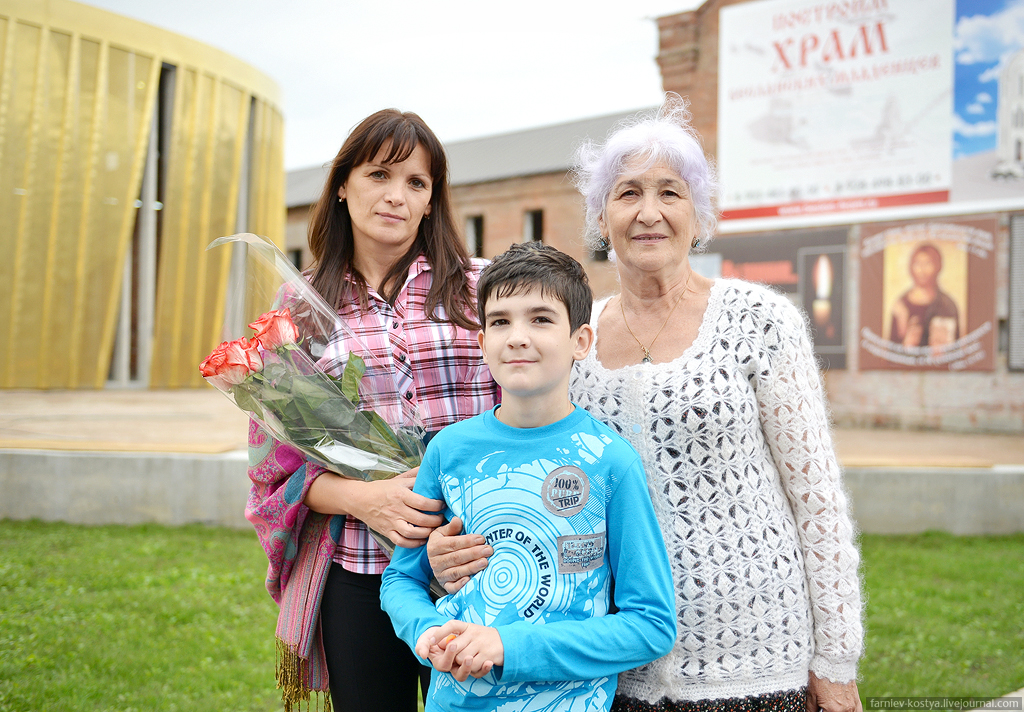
527 343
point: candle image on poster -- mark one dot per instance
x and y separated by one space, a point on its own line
822 278
828 106
928 296
808 266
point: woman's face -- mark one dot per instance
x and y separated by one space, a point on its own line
648 218
923 269
386 201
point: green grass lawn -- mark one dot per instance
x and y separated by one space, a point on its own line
945 615
159 618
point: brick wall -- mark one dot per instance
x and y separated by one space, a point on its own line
503 205
688 58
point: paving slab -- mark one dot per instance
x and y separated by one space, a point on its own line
204 421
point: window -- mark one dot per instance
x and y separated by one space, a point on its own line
533 226
475 235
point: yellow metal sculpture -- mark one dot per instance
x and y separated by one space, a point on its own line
124 150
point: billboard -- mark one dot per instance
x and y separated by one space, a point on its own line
831 107
927 295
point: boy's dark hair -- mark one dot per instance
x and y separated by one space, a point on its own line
533 264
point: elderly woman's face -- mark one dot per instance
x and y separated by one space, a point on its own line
648 218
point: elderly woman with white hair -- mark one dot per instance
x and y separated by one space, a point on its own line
714 383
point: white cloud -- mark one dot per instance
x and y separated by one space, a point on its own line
975 109
991 74
989 38
982 128
984 98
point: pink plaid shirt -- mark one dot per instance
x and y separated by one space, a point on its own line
437 367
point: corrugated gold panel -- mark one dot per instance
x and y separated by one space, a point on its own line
266 204
8 200
48 181
211 119
230 125
37 206
268 214
21 67
178 209
74 114
117 149
131 93
65 266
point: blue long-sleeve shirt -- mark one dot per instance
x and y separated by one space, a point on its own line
567 510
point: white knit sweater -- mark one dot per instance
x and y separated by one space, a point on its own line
735 438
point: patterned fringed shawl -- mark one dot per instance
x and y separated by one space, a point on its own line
300 545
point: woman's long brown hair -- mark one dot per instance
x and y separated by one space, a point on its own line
330 227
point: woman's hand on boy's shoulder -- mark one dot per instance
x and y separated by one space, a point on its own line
454 558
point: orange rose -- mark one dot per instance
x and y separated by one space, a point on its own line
275 329
231 362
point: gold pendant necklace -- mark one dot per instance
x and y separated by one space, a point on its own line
647 349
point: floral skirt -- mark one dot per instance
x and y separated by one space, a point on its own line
790 701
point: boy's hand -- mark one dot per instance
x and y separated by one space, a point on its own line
466 649
432 646
426 641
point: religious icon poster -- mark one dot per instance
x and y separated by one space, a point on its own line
928 295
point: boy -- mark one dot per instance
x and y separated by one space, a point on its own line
563 501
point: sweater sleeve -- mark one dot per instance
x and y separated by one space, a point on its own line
795 420
641 630
405 585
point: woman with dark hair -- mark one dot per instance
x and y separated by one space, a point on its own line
924 315
389 258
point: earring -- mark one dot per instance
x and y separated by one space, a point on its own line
696 243
340 199
603 245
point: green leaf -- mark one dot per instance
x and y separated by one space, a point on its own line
244 398
355 368
385 433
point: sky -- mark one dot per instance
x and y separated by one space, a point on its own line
469 68
987 34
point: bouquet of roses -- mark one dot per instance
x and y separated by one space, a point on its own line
271 377
354 424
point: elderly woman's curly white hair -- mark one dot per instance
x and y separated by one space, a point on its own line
663 135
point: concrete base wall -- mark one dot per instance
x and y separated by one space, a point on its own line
124 488
913 500
133 488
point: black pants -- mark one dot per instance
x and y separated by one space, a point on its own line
370 668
